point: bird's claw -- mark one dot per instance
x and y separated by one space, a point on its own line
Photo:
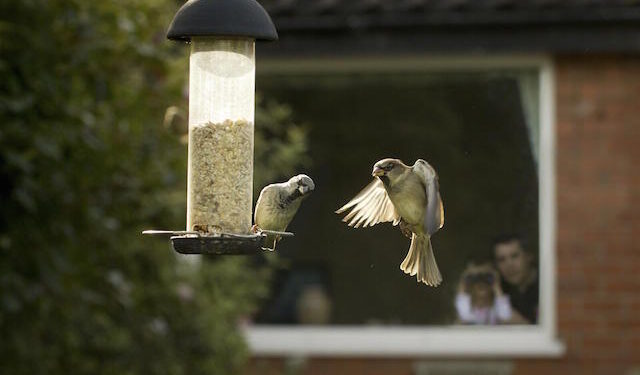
404 228
255 229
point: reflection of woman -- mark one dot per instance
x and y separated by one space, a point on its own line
480 299
313 306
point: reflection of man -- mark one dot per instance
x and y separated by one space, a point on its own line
519 277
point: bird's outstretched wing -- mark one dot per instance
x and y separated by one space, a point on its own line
434 216
370 207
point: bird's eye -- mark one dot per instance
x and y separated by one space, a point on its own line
388 167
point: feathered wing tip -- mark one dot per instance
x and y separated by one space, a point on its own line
369 207
421 262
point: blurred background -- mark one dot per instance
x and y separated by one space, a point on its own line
93 103
93 115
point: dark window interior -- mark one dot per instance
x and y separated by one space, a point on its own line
470 126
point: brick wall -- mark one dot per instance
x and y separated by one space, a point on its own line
598 177
598 190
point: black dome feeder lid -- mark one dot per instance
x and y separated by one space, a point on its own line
232 18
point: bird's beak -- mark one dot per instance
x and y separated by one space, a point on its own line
303 189
377 172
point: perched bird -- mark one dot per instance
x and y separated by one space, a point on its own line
278 204
409 197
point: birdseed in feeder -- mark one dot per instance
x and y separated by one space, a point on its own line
221 177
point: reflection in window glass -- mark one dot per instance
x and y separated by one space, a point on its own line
479 131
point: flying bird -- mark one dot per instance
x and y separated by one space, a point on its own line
278 204
408 197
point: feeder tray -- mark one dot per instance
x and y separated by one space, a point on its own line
188 242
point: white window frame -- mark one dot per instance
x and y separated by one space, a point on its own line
451 341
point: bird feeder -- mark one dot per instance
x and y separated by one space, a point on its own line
222 35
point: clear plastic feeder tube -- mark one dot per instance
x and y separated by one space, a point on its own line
221 115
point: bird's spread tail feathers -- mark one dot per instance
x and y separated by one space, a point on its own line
420 261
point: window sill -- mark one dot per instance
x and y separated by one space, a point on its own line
352 341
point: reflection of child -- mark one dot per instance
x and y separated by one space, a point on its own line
480 299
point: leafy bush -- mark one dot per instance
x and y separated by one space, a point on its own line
85 166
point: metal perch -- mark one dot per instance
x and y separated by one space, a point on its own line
191 242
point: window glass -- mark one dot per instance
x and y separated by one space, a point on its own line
479 130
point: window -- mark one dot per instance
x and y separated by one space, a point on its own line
486 125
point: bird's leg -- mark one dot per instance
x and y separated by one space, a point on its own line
271 244
404 228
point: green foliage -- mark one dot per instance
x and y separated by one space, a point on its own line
85 166
280 144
